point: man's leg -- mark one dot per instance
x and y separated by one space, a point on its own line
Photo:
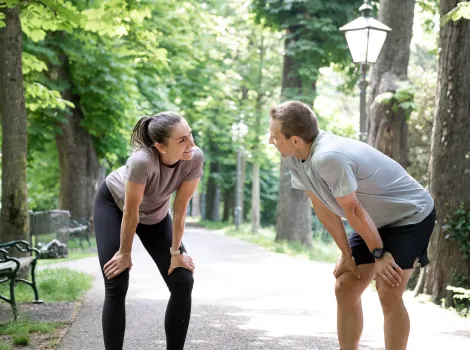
396 320
348 292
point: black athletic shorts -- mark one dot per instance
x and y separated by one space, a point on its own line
405 243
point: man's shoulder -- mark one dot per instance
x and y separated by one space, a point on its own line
290 162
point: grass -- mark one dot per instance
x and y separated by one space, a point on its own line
25 326
21 330
4 346
21 339
58 284
320 250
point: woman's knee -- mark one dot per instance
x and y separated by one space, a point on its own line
181 281
117 286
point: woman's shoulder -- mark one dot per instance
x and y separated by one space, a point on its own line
198 156
142 157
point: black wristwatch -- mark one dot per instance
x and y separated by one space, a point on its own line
378 253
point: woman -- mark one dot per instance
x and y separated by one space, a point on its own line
135 199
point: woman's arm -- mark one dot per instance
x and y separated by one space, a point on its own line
122 259
180 205
130 220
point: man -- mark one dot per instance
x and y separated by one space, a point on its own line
392 214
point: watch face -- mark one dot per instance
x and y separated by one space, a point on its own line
378 253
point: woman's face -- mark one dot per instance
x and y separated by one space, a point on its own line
180 145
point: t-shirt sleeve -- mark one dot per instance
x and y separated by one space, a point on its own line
338 171
137 168
296 182
196 169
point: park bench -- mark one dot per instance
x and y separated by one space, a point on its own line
10 267
46 226
80 230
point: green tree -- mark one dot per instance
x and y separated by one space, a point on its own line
312 41
450 160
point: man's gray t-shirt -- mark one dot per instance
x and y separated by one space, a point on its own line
338 166
144 167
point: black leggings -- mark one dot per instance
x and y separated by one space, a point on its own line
157 241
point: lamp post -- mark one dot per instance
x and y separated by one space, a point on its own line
365 36
239 130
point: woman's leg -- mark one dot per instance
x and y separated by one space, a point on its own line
157 240
107 220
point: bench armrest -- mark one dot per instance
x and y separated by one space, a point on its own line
21 245
4 258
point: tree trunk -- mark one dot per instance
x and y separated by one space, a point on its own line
255 186
242 194
255 200
14 212
388 128
229 200
79 166
195 205
450 162
294 216
212 193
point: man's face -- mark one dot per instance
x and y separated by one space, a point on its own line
276 138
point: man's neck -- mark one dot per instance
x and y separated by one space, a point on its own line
304 152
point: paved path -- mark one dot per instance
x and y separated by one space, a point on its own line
248 298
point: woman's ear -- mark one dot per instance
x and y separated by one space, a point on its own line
160 147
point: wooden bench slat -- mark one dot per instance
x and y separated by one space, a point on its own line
11 265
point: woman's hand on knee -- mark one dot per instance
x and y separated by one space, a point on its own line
181 260
118 263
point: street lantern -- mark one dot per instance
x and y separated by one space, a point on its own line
366 37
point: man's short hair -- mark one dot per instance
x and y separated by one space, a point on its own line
297 119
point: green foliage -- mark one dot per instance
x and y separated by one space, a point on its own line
312 35
458 229
459 300
43 177
402 98
429 10
421 122
462 10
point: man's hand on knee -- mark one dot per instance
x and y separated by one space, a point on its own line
346 263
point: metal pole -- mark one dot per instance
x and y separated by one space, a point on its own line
238 192
363 116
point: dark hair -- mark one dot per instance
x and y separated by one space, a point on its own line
297 119
157 128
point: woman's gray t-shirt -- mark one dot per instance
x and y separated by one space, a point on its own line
337 166
144 167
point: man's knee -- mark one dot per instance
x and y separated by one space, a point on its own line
117 286
181 281
348 287
389 296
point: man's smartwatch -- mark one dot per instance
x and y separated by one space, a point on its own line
175 252
378 253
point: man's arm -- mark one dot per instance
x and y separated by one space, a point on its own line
332 222
360 220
